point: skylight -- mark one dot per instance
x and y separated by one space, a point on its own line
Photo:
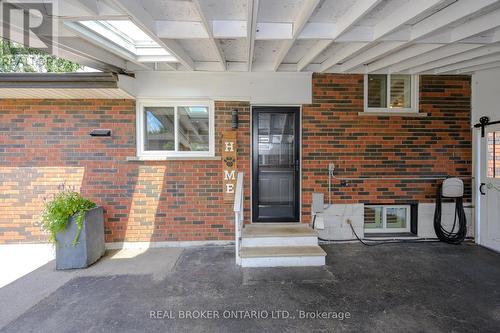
130 38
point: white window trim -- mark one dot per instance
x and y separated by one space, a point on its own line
492 129
384 228
161 154
414 97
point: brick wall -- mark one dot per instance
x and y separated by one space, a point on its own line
45 143
383 146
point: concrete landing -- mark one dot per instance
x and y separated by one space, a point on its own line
278 230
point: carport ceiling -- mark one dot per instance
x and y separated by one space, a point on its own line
340 36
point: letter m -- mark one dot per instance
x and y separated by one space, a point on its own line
229 175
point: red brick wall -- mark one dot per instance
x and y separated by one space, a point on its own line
382 146
45 143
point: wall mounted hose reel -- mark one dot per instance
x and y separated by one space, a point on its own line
451 188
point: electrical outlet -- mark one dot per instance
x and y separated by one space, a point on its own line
331 168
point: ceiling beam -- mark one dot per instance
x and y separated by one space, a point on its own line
229 29
181 30
72 48
469 63
341 55
369 55
402 16
253 10
357 11
453 13
399 18
409 52
300 22
99 58
479 52
495 36
143 20
476 26
90 5
439 53
478 68
422 29
213 42
103 43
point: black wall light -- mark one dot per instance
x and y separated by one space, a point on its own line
100 132
234 119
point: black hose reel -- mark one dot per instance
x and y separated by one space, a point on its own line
451 188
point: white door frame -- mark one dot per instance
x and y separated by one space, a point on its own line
491 187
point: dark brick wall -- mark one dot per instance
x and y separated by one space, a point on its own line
45 143
384 146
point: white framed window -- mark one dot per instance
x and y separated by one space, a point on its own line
387 218
391 93
175 129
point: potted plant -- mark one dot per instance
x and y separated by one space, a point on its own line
76 226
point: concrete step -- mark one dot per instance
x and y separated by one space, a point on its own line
278 230
282 256
283 234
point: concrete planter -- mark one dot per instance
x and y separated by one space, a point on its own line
90 245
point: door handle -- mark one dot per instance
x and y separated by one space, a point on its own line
481 189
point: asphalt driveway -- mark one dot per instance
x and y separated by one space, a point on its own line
431 287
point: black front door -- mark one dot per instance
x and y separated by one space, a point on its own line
275 164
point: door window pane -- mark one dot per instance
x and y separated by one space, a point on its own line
493 154
377 91
400 91
276 165
373 217
159 131
193 130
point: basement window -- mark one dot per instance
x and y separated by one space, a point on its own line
391 93
175 129
387 218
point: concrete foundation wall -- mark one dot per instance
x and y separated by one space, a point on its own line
335 216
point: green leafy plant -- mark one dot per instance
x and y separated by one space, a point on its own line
58 211
16 58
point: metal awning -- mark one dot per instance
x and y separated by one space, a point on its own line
61 85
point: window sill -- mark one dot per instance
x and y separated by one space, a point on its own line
392 114
172 158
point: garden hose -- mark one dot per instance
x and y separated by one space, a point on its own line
459 222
